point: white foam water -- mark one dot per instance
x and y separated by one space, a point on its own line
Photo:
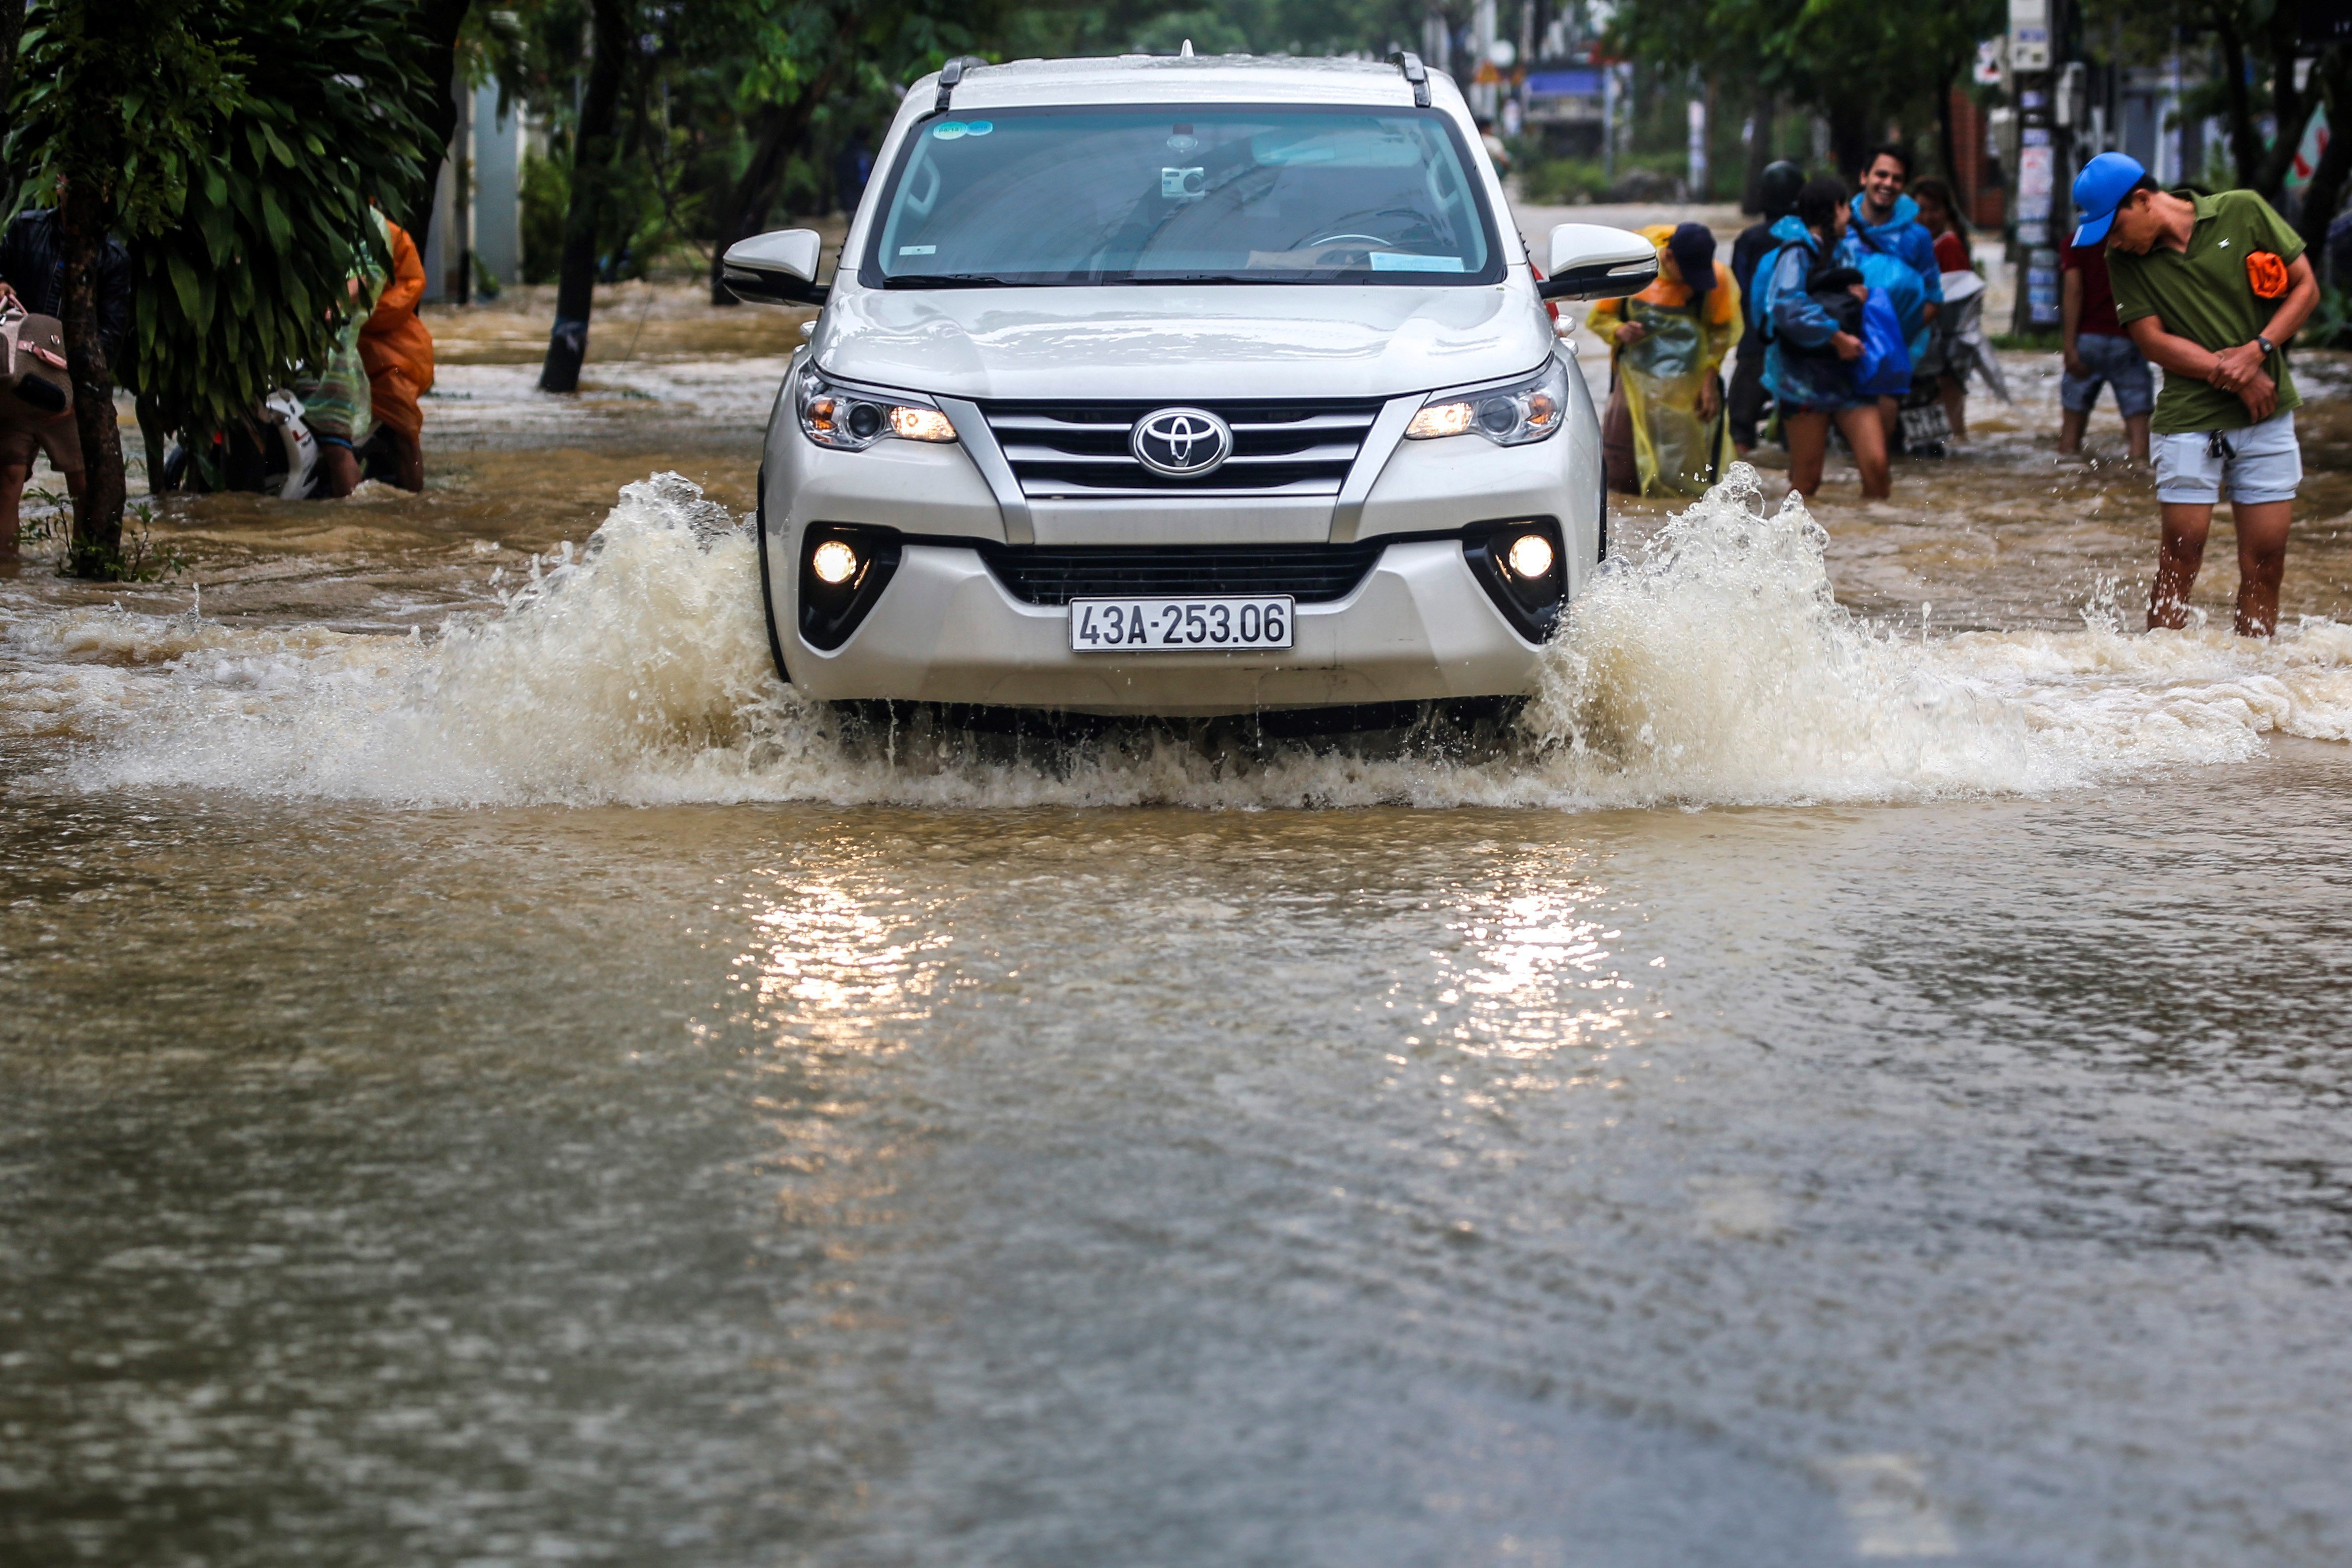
1711 664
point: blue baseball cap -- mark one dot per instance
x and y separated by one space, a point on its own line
2100 189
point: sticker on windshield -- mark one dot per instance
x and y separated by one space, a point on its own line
1401 261
951 130
979 128
919 250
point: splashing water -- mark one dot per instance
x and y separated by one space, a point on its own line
1712 666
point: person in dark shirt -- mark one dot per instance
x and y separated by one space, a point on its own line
2099 352
33 263
1778 192
33 273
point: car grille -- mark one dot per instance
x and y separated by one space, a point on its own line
1055 574
1080 449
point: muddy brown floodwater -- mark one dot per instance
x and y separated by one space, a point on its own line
1861 1074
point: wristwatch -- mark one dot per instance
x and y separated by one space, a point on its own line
2267 347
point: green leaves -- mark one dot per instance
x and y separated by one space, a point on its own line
1859 63
240 169
184 285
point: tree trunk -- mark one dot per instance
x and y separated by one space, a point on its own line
97 548
1850 136
2325 195
1759 153
2245 137
438 24
781 128
753 194
592 175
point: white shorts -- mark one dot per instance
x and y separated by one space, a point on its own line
2261 463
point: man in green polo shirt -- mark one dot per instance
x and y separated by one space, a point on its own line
2210 287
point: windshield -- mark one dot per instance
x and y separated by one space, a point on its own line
1221 194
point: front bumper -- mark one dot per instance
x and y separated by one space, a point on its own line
1418 628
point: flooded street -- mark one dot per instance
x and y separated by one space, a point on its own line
490 1079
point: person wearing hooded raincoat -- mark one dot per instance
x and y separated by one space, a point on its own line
1887 244
1667 348
1897 254
398 351
1808 355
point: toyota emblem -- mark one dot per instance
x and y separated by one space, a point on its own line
1182 442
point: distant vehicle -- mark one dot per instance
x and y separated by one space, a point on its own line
1180 386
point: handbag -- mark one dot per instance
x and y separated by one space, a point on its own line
33 362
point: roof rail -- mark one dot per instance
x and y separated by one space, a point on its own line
949 75
1409 62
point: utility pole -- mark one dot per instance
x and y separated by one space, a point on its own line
2039 214
461 190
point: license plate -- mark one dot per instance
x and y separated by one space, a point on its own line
1179 625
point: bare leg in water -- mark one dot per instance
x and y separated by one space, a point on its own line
14 477
1808 441
2262 563
339 470
408 460
2071 423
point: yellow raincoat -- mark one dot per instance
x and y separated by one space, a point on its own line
1675 451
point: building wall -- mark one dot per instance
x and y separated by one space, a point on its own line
1975 180
494 144
497 187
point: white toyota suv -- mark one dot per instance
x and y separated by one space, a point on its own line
1180 386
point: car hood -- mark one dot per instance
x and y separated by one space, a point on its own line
1181 344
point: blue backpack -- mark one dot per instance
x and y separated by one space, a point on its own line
1759 298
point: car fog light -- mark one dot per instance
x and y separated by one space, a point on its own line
920 425
834 563
1531 557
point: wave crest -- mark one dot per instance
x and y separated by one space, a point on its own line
1711 665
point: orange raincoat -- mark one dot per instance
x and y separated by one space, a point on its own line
394 345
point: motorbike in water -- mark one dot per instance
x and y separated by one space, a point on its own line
274 452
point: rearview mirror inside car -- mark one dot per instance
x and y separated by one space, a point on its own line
1589 261
777 268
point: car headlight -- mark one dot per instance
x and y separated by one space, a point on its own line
853 420
1512 415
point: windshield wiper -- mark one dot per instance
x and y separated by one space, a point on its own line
1188 277
948 280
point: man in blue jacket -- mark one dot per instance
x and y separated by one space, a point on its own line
1894 251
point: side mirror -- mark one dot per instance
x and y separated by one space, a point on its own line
1590 262
777 268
